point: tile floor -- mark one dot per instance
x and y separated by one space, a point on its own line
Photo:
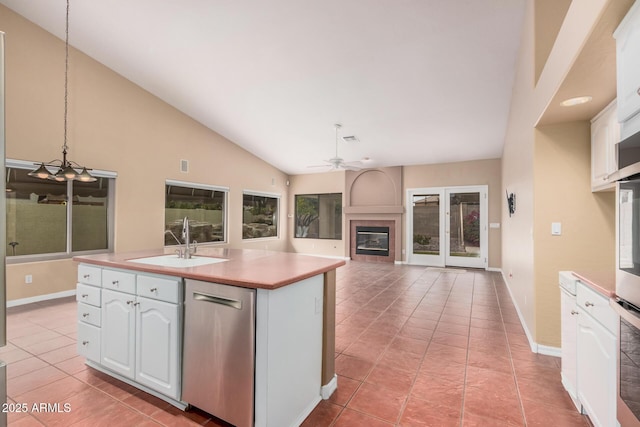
415 347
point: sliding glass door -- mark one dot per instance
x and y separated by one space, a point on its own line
447 226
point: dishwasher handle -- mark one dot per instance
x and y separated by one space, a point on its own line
218 300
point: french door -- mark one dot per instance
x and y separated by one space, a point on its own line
447 226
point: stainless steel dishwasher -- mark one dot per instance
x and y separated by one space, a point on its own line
219 350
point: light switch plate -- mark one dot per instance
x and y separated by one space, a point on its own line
556 228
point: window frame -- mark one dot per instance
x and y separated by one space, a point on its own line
200 186
69 253
295 212
278 198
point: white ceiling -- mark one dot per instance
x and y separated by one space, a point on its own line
417 81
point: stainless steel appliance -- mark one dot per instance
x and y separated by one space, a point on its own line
628 224
219 350
628 367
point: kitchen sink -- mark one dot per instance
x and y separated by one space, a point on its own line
176 262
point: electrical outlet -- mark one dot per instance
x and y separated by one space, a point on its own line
28 279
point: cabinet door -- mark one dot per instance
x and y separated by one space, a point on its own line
605 133
569 331
157 346
118 332
628 64
596 370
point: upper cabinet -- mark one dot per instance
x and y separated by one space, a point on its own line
605 134
628 63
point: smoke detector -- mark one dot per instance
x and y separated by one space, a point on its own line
350 138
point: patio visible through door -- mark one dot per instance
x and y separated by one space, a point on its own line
447 226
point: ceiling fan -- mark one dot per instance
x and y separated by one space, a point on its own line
338 163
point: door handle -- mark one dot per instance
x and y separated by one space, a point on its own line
218 300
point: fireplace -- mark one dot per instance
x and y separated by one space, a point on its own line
372 241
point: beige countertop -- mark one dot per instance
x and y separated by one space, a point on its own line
602 281
248 268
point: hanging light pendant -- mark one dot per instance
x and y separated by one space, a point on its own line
67 169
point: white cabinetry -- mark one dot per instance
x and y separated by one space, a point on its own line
138 322
141 334
627 37
88 296
596 356
605 134
569 349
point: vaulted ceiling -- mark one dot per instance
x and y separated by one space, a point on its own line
416 81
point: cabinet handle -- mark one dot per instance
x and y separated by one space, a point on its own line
129 302
136 304
84 295
588 304
573 312
153 290
115 282
86 276
85 342
85 314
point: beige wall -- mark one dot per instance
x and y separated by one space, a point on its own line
563 194
478 172
115 125
547 169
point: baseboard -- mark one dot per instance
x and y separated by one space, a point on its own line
494 269
39 298
327 390
535 347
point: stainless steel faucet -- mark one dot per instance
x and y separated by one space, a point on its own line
179 251
189 247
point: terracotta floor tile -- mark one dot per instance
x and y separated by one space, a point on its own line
538 415
474 420
32 380
353 367
81 406
351 418
410 345
174 417
57 391
24 366
454 340
73 365
400 359
439 390
452 328
346 388
421 413
35 338
441 367
117 389
493 404
489 379
27 421
124 415
15 355
49 345
323 415
379 402
391 378
448 352
415 332
487 360
60 354
544 392
365 350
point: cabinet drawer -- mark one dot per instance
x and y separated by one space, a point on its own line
89 275
89 341
596 305
158 287
88 294
89 314
118 280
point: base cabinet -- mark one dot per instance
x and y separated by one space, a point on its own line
596 371
569 350
132 327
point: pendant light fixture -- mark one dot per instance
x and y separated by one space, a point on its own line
67 169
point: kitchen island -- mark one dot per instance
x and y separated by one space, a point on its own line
137 302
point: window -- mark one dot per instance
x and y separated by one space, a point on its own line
42 222
204 205
259 215
319 216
